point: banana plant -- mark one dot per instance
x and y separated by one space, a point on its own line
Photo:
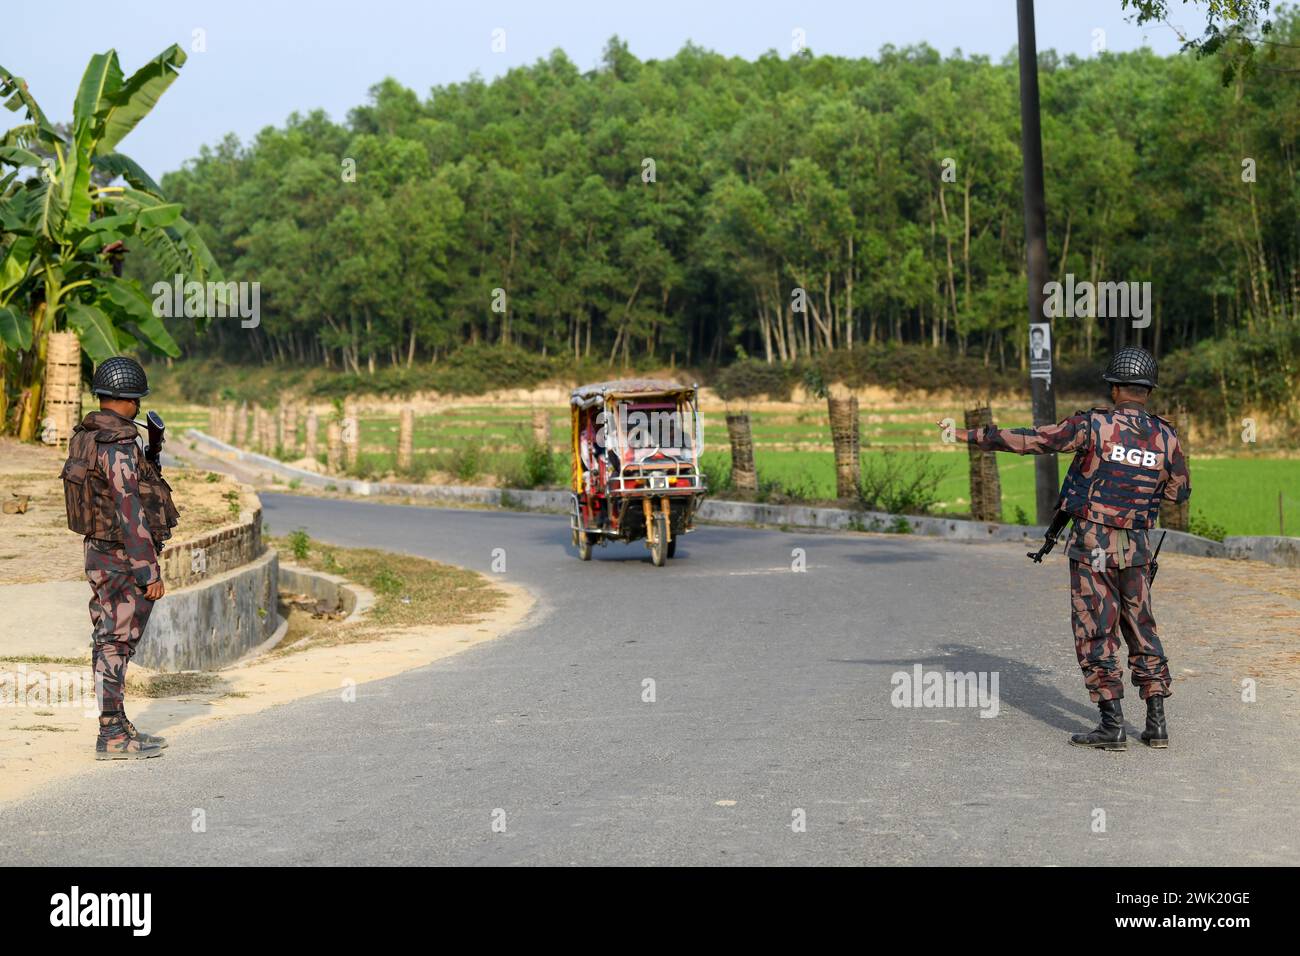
66 219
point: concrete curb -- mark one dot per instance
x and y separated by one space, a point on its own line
1284 552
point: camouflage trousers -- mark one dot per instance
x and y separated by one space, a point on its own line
1105 605
118 612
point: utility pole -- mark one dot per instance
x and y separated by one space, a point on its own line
1031 148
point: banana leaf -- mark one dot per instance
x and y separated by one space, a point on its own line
15 329
94 329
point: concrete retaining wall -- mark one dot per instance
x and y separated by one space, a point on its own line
1280 551
339 592
212 554
1284 552
213 623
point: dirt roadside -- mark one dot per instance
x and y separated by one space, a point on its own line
36 546
47 735
41 744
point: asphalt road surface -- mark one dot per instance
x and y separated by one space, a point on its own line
772 707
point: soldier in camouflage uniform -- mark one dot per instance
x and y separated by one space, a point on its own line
1126 461
118 500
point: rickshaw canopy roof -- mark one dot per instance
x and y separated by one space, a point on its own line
586 396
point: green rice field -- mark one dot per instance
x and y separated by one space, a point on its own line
1238 494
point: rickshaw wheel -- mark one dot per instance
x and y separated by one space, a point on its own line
584 546
659 547
672 547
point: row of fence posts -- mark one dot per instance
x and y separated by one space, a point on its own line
276 431
985 483
846 438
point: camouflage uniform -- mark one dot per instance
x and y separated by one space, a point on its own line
1126 461
120 503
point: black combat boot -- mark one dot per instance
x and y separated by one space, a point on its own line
1109 734
1157 733
115 743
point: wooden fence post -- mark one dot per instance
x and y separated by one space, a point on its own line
846 437
313 423
333 446
985 483
405 438
351 434
744 476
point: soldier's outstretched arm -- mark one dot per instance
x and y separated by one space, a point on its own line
1068 435
119 464
1179 486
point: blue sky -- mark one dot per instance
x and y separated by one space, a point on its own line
267 59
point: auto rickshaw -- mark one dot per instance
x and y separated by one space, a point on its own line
636 473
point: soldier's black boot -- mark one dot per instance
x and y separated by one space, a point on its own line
1109 734
115 743
1156 733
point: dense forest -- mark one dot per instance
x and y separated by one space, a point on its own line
679 210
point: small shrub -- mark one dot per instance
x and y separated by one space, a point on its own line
299 544
369 467
750 378
232 502
418 470
890 483
1198 524
716 470
1022 517
386 582
775 491
464 460
541 466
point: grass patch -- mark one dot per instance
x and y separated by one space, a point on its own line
46 728
410 591
171 685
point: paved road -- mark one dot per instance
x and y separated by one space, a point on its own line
773 696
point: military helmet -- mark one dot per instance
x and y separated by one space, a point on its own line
1131 366
120 377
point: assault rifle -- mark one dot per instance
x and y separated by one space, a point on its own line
1059 521
157 435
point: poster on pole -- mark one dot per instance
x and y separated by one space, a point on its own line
1040 351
